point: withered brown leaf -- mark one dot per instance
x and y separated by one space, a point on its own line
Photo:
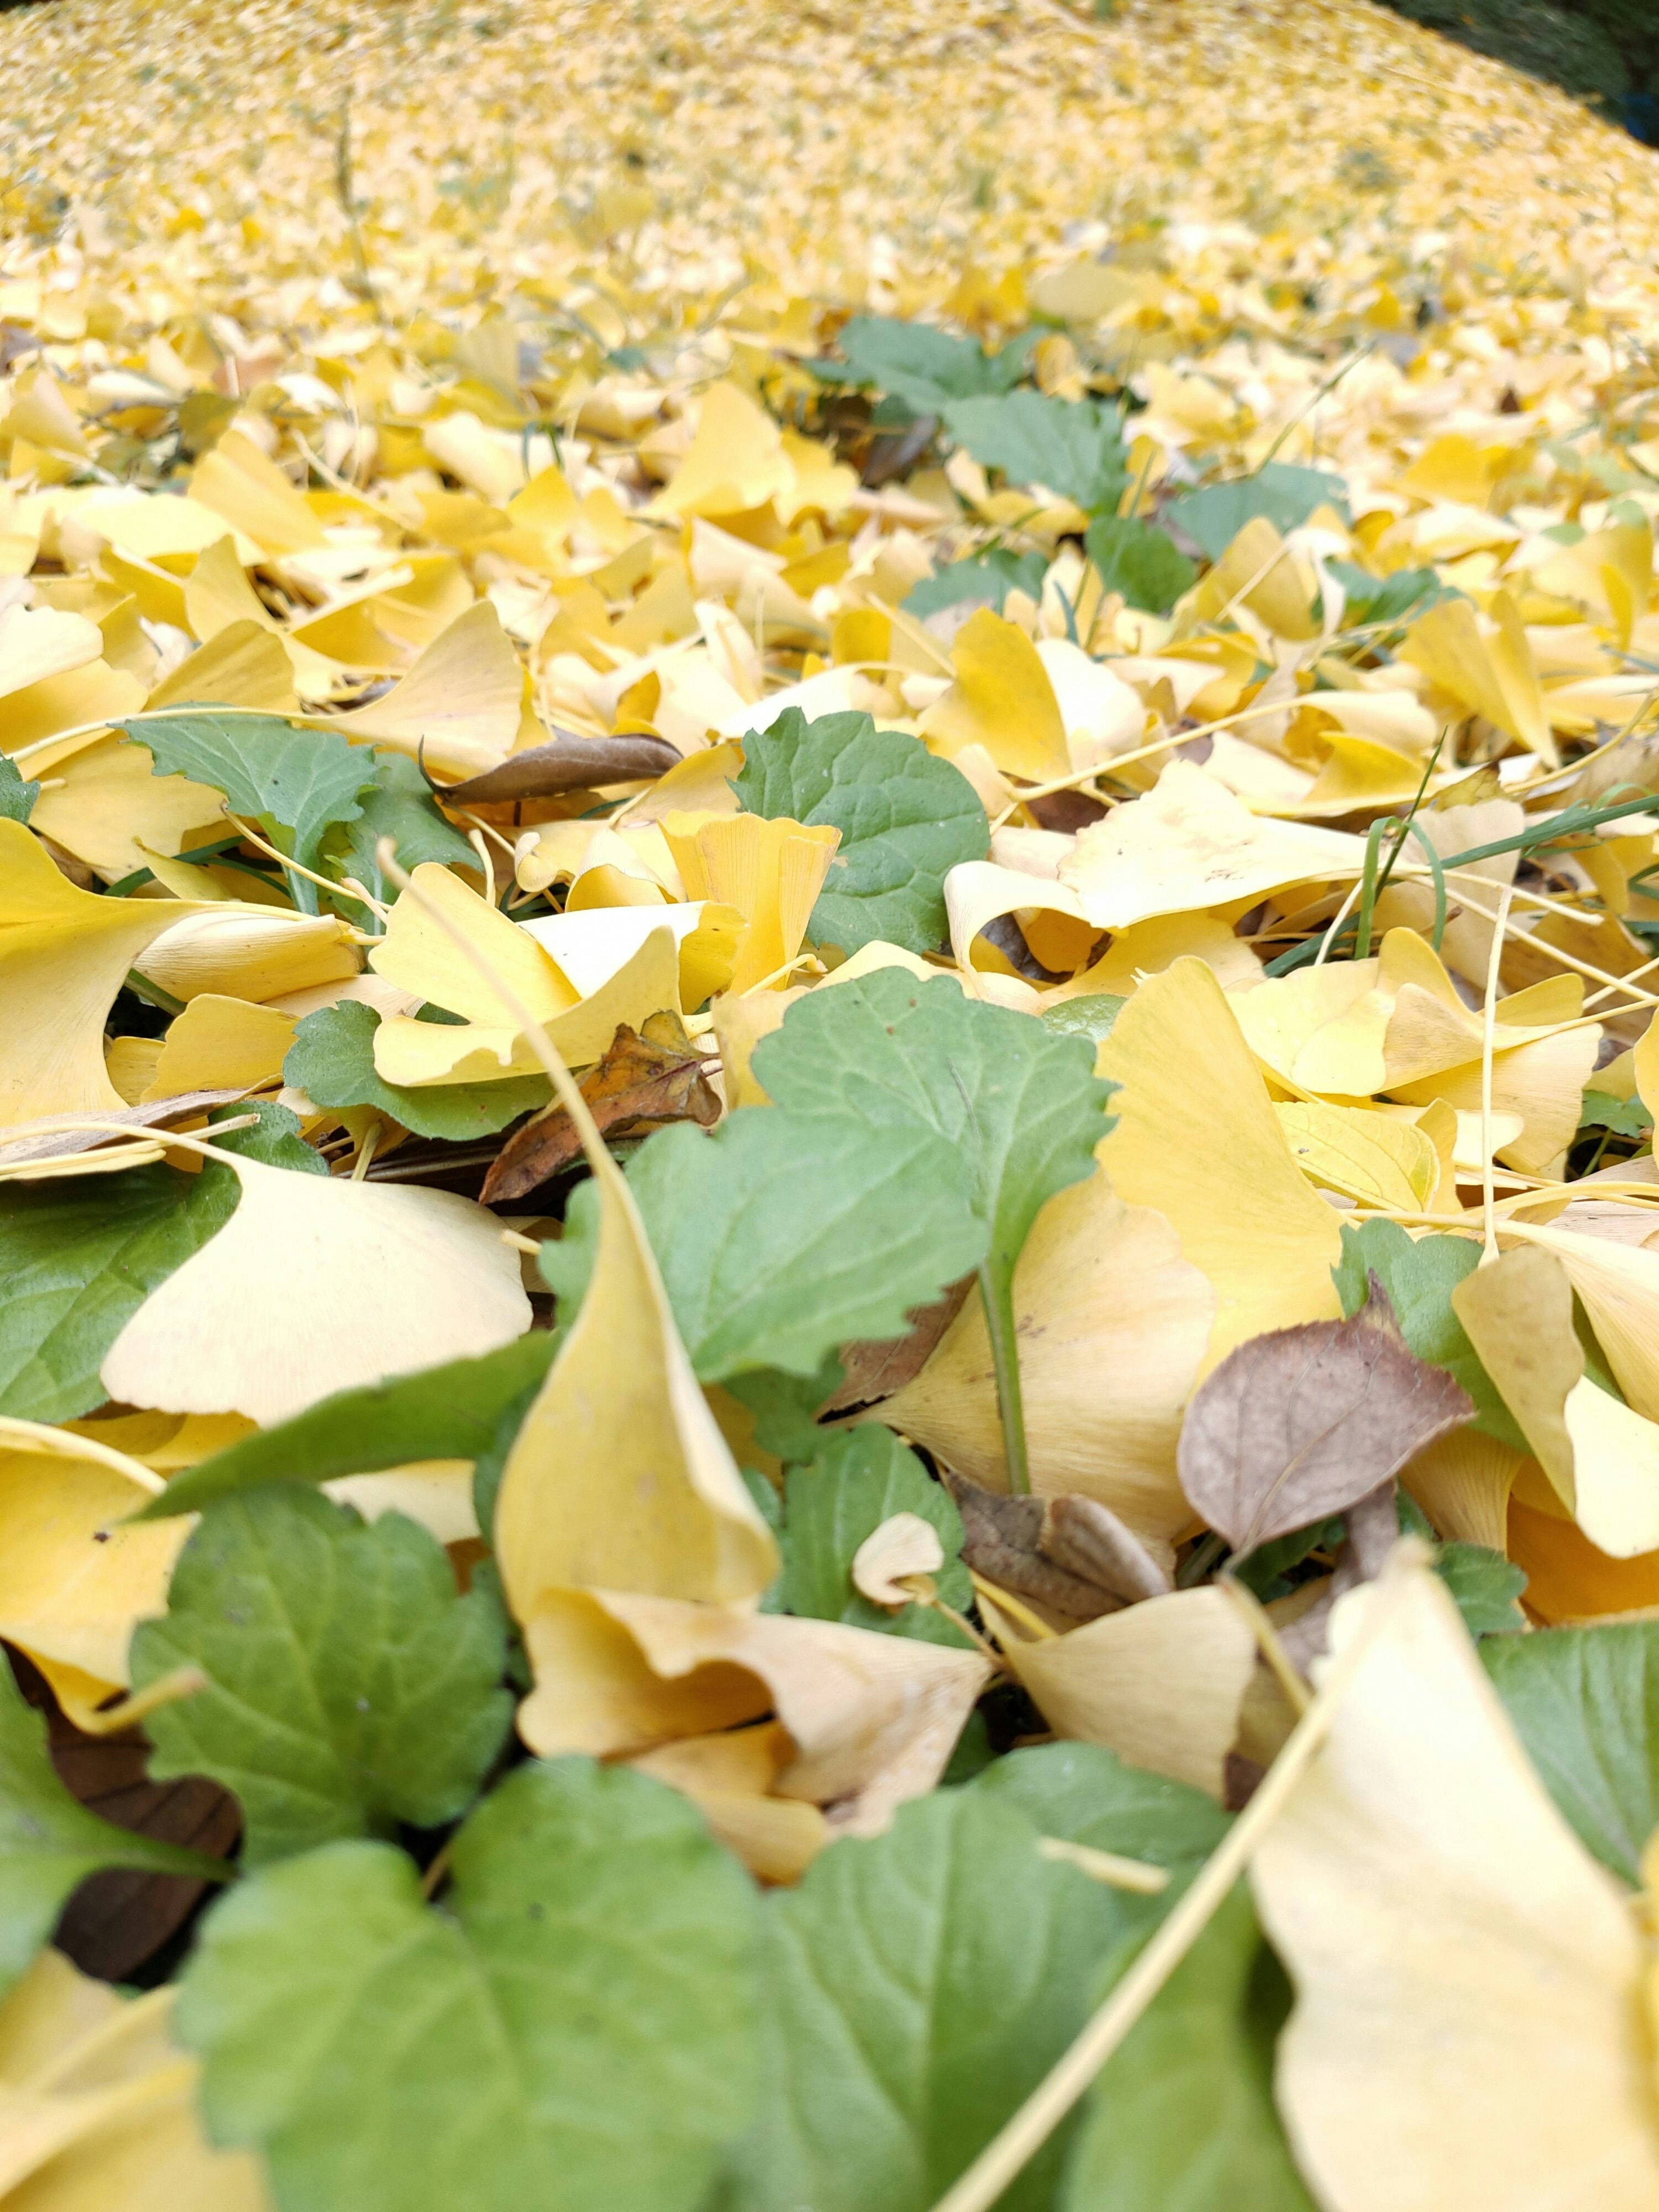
1305 1422
1070 1555
653 1075
873 1369
570 764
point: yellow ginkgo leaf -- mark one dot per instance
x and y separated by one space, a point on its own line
873 1718
1160 1683
1189 844
99 2104
413 1053
620 1478
1619 1284
221 1044
458 706
419 955
1462 1482
1542 1082
1466 2036
1601 1457
732 1779
1001 699
108 808
1366 1155
736 461
771 871
76 1575
65 954
243 665
977 892
1100 1288
1197 1138
37 643
240 483
317 1283
241 951
1486 666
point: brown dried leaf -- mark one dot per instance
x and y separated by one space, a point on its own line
1072 1556
571 764
1305 1422
655 1074
872 1370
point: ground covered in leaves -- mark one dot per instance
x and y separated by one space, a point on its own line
831 1368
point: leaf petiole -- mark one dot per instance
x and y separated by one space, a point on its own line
996 1290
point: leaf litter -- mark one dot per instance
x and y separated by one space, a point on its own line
826 1084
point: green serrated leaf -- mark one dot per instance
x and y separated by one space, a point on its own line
1585 1702
298 783
1086 1795
925 368
990 576
767 1269
440 1412
1485 1587
1367 599
1021 1106
17 795
1420 1278
784 1406
1183 2114
399 804
331 1060
1625 1117
273 1137
1284 492
917 1988
1140 561
906 818
574 2028
860 1479
349 1686
1071 446
49 1842
766 1266
1093 1016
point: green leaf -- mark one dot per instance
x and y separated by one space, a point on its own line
397 804
574 2028
917 1988
1091 1015
440 1412
1086 1795
1485 1587
1140 561
331 1060
49 1842
1286 493
906 818
79 1257
1071 446
860 1479
1266 1570
1367 599
298 783
783 1235
1419 1278
990 576
1625 1117
784 1405
17 796
1585 1702
349 1686
274 1139
1022 1106
925 368
1183 2114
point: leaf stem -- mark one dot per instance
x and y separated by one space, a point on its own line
996 1290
